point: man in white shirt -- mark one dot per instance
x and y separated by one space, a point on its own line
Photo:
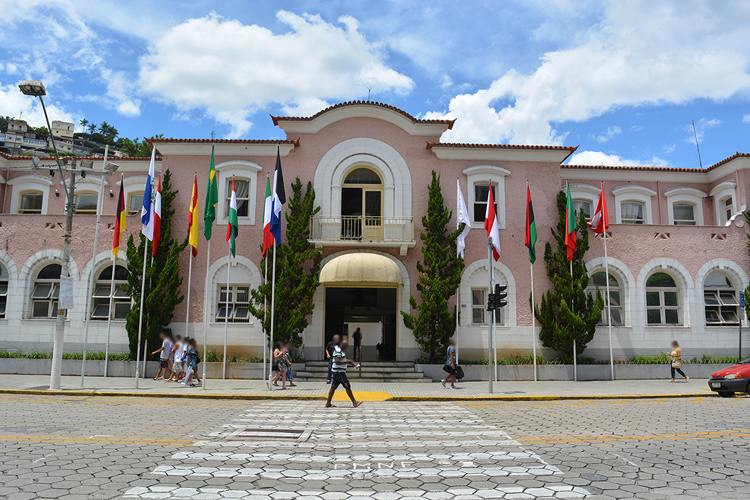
166 353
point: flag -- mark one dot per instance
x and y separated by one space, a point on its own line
232 225
279 198
570 226
462 217
120 221
490 224
147 212
212 198
157 219
267 208
193 218
600 221
530 239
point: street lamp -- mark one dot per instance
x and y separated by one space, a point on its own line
36 89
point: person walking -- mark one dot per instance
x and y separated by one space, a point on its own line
676 357
288 359
280 362
357 338
332 345
450 365
166 352
339 374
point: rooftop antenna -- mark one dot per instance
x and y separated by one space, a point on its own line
369 91
213 136
695 134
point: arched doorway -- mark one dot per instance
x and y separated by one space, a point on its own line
362 205
361 291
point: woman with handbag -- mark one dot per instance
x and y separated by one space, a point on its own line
676 356
451 364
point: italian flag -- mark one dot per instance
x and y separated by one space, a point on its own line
267 208
570 226
232 226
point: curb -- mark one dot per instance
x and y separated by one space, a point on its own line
322 397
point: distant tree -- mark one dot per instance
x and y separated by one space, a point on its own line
297 267
4 123
84 123
434 324
567 312
163 279
92 127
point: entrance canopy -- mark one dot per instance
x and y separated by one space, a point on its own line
361 267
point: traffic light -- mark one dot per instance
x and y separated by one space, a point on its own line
497 300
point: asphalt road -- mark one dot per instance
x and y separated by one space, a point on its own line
101 447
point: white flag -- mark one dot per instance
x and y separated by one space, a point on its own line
462 217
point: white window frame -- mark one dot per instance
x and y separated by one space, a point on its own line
591 289
482 174
685 195
587 193
55 286
718 294
228 193
499 313
235 305
89 192
662 307
102 292
30 183
720 193
630 192
4 283
247 170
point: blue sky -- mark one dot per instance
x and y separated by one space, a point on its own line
622 79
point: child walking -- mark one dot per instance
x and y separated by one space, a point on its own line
192 363
166 353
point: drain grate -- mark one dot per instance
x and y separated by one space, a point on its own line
251 433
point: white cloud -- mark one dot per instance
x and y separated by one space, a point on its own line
600 158
230 69
13 103
609 134
700 129
641 53
669 149
746 119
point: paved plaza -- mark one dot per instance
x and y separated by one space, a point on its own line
72 447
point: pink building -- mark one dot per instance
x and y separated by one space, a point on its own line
677 246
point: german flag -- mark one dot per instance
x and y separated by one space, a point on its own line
120 222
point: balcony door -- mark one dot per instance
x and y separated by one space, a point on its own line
362 205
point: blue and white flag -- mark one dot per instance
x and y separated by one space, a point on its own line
279 198
147 212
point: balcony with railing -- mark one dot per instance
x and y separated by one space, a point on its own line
362 231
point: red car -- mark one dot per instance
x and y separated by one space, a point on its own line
730 380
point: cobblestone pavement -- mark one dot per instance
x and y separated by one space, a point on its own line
101 447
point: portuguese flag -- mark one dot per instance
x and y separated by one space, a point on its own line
121 220
212 198
570 226
530 239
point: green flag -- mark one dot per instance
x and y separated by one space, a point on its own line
570 226
212 198
232 225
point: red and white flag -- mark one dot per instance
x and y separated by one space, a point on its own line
157 220
600 221
490 224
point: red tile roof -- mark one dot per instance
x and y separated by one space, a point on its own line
276 119
152 140
662 169
51 158
431 145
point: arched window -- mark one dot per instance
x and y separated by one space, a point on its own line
598 283
582 205
3 290
362 205
85 202
102 287
479 313
662 300
30 202
46 291
720 298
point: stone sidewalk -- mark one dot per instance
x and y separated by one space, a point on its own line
257 389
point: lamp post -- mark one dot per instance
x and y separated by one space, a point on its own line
36 89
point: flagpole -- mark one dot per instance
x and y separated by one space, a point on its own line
609 305
205 317
140 317
492 316
226 316
575 351
187 299
273 305
458 308
265 311
533 318
109 318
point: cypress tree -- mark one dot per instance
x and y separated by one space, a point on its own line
439 275
163 280
567 312
297 269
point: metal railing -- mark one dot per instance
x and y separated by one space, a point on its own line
362 228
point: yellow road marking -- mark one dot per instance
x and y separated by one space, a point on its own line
654 437
586 402
362 396
129 401
63 439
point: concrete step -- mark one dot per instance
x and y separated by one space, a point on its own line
378 375
365 368
385 364
355 379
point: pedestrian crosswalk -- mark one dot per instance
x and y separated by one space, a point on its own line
386 451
